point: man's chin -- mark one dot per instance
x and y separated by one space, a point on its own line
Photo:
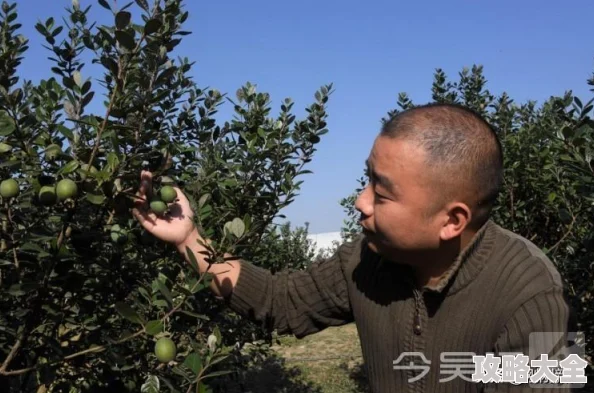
370 241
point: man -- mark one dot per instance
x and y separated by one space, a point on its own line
431 274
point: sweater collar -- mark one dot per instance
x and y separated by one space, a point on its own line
469 263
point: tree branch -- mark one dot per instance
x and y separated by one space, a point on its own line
564 235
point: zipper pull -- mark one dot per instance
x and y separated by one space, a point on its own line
417 322
417 328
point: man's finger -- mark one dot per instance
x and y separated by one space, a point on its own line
180 195
144 191
147 220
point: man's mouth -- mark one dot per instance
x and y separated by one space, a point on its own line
365 230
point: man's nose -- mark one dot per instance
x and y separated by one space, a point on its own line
364 203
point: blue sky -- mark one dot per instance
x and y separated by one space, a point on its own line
531 49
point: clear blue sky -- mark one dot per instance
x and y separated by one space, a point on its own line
531 49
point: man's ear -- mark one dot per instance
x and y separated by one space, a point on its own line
458 219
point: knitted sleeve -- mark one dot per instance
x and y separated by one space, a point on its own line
540 326
296 302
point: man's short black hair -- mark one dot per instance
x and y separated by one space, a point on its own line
462 149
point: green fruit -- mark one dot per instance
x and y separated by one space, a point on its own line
5 148
165 350
52 152
168 194
47 195
65 189
159 207
9 188
118 235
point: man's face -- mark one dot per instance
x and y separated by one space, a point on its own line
398 205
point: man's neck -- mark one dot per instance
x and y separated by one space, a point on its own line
431 275
434 268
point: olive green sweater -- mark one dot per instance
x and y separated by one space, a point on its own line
500 289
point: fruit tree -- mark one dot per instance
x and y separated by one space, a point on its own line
90 301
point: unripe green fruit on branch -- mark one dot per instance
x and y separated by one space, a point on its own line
47 195
66 189
158 207
168 194
9 188
165 350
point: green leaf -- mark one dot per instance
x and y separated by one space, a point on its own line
65 131
150 385
217 374
192 257
104 4
112 160
22 288
552 197
70 167
77 78
165 291
194 363
153 328
565 216
162 304
7 126
217 333
10 163
87 99
143 4
166 382
95 199
193 314
122 19
152 26
125 39
237 227
202 200
128 312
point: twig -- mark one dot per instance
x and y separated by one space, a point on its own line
564 235
14 252
15 348
100 348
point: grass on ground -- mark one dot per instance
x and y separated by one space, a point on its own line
326 362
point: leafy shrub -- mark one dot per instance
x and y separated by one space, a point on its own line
86 293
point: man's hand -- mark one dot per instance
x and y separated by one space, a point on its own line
177 228
174 227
